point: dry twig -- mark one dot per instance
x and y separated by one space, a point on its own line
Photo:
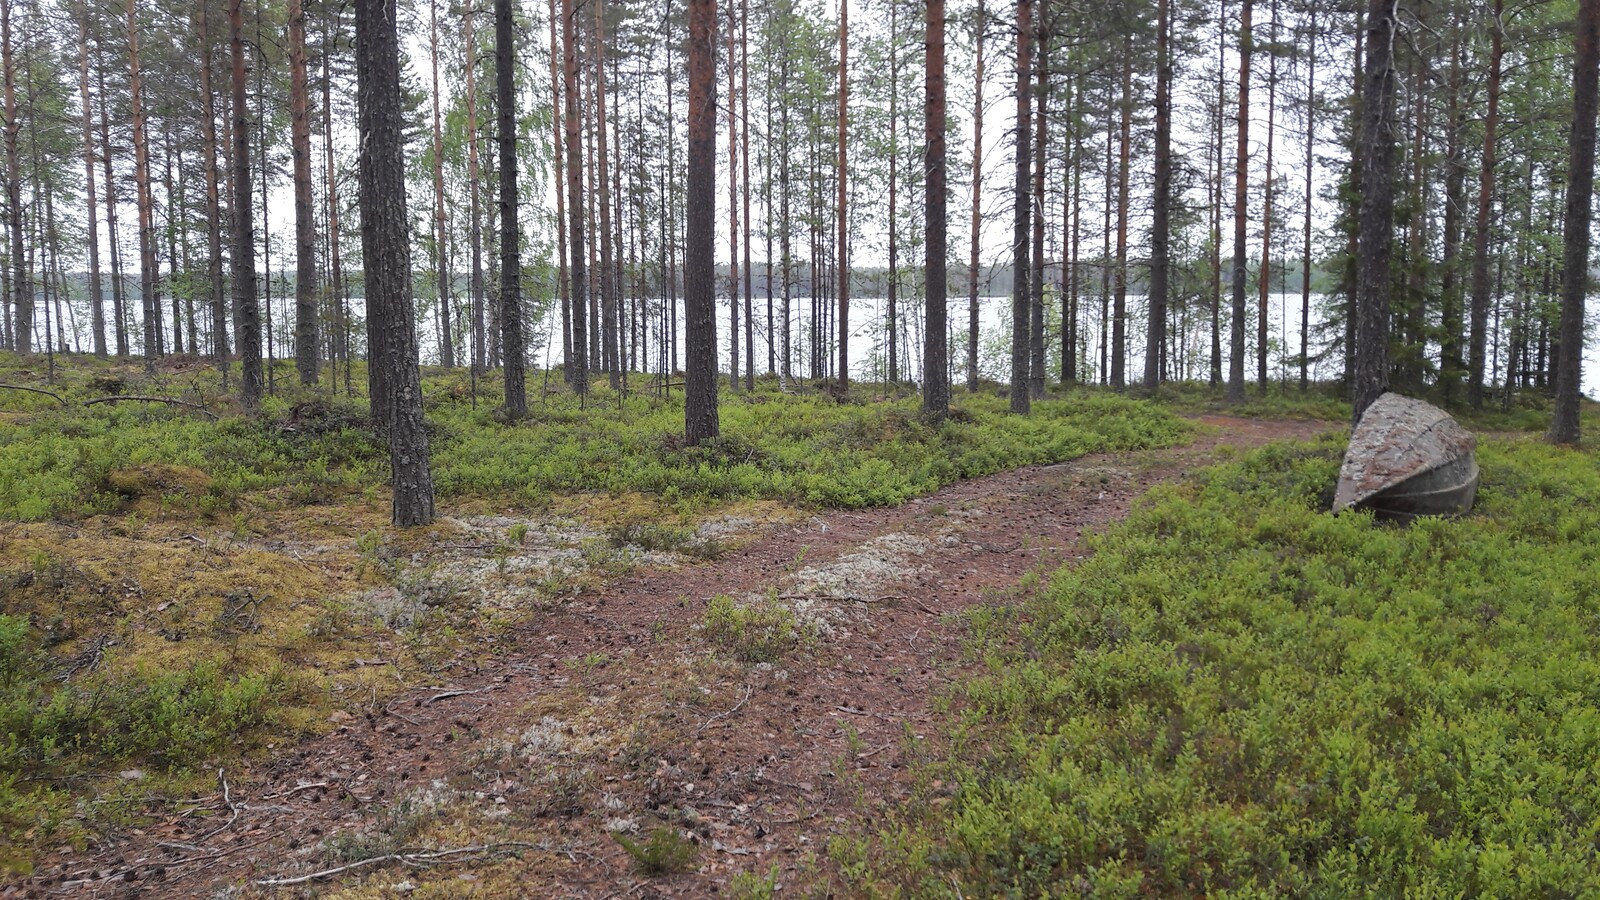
723 715
410 859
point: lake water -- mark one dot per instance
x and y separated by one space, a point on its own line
869 355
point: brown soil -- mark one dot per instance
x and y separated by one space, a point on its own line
620 712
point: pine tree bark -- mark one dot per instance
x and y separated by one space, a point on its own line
1119 299
891 290
699 290
977 208
608 281
1305 255
510 229
208 146
1478 329
1373 249
733 210
22 292
1072 212
1264 276
935 362
441 226
1160 230
113 246
578 363
340 348
141 178
1036 276
1565 427
385 252
1241 211
247 316
480 341
1451 364
1218 147
97 304
305 226
563 276
786 224
1022 211
744 120
843 178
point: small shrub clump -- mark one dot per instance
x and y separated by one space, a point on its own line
665 853
755 632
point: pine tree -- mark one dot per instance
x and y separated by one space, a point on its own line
385 250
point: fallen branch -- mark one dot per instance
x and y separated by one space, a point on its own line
22 387
863 712
171 401
457 692
982 546
824 598
410 859
723 715
227 797
297 789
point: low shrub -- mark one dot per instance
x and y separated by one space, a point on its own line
1241 695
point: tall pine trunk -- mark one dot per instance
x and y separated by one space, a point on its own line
1564 428
699 289
935 363
733 210
977 209
1478 329
208 146
335 260
118 310
385 253
22 293
441 227
1218 147
1036 276
1373 249
480 337
305 226
563 278
842 263
96 301
141 178
1241 211
578 363
608 281
1264 277
1119 300
1022 199
247 317
1450 361
1311 146
510 230
891 290
744 122
1155 331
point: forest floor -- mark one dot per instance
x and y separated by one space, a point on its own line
688 725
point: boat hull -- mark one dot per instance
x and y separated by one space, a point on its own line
1408 459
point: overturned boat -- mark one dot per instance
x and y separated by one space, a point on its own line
1408 458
